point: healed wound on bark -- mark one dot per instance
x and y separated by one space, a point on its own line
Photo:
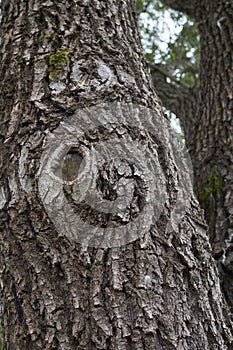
160 291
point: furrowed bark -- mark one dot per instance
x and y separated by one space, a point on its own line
160 291
211 144
208 135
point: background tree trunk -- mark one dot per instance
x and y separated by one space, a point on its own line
206 117
158 292
212 141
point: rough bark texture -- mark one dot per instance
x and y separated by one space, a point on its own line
212 142
159 292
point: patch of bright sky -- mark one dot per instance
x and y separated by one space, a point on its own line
175 123
166 30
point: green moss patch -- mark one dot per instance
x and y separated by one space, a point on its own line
57 62
213 188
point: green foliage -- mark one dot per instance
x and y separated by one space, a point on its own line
170 38
57 61
142 5
139 6
184 55
213 189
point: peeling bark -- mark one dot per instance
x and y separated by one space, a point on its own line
158 292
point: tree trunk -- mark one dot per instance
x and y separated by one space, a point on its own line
156 288
212 143
206 117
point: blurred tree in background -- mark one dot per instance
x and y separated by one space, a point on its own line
175 46
191 60
173 53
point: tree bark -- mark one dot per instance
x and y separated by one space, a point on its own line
160 291
206 118
211 144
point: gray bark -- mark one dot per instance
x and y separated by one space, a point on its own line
211 144
206 118
160 291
